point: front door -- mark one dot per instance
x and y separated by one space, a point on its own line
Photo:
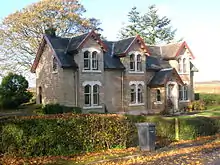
172 94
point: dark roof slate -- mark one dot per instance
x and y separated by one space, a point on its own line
161 77
110 60
193 68
122 45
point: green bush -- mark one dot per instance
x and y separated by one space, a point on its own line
191 128
63 134
59 109
210 99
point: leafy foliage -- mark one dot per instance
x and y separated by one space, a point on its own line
210 99
13 91
196 105
150 26
56 109
21 32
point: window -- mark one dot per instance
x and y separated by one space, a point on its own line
136 93
94 61
90 60
140 94
135 63
180 65
158 96
184 65
96 95
139 64
132 62
133 94
91 94
182 68
86 60
183 93
87 94
55 65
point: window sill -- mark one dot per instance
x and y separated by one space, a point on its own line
137 104
183 73
93 107
141 72
91 71
183 101
157 102
55 72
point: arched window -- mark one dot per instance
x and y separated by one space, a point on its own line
133 93
96 95
180 66
87 95
94 61
158 95
139 65
86 60
140 94
55 64
132 62
184 65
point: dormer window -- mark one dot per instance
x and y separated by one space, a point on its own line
135 62
183 64
55 65
90 59
132 62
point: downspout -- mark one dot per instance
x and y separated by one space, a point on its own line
76 87
122 90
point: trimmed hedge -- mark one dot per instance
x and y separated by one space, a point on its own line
66 134
210 99
59 109
63 134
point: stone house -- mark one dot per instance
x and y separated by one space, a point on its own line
121 76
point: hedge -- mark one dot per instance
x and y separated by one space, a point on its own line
63 134
66 134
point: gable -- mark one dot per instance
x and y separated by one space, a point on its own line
184 50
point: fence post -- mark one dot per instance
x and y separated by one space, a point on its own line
176 128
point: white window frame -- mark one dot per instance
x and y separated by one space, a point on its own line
183 67
91 50
184 89
136 84
136 53
54 62
92 84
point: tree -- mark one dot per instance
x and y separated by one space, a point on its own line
13 91
21 32
150 26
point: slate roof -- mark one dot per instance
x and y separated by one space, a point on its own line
60 46
121 45
161 77
166 51
156 63
193 68
110 60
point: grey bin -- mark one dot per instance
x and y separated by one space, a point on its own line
146 136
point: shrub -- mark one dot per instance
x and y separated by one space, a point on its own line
196 105
13 91
210 99
191 128
63 134
58 109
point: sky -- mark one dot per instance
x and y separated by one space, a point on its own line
195 20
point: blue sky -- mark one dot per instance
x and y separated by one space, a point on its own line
196 21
